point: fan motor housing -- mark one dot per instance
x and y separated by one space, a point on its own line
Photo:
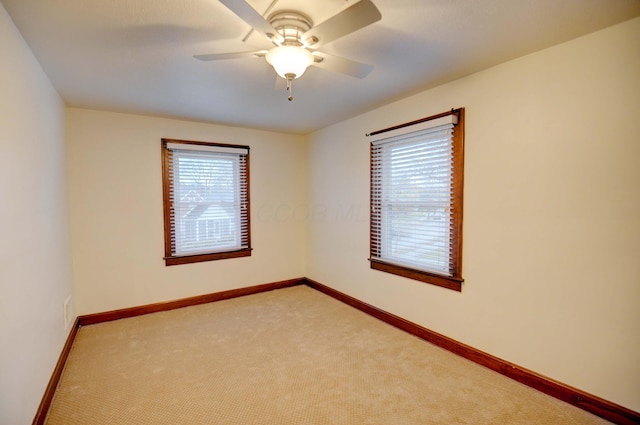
290 25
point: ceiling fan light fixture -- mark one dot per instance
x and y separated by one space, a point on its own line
289 60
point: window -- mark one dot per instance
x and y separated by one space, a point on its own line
206 201
416 199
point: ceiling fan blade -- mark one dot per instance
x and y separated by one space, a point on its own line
341 65
234 55
349 20
253 18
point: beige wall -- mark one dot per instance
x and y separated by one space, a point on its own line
115 189
35 260
552 213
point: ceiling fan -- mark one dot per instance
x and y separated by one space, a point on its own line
296 38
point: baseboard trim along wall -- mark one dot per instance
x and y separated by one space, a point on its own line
185 302
591 403
47 398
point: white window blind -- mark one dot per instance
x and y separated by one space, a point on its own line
412 187
208 197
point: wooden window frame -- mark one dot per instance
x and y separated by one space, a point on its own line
167 188
454 281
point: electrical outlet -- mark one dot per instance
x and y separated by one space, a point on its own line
67 312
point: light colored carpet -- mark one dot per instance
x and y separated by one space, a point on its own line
290 356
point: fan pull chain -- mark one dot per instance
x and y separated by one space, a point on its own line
290 78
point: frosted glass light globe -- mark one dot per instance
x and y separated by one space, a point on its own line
289 60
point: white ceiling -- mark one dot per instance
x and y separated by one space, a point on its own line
136 55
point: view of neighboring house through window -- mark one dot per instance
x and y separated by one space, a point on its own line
416 199
206 201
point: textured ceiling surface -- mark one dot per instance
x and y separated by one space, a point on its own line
136 56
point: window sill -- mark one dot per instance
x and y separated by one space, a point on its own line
452 283
173 261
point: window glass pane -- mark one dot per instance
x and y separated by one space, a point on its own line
206 200
416 194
